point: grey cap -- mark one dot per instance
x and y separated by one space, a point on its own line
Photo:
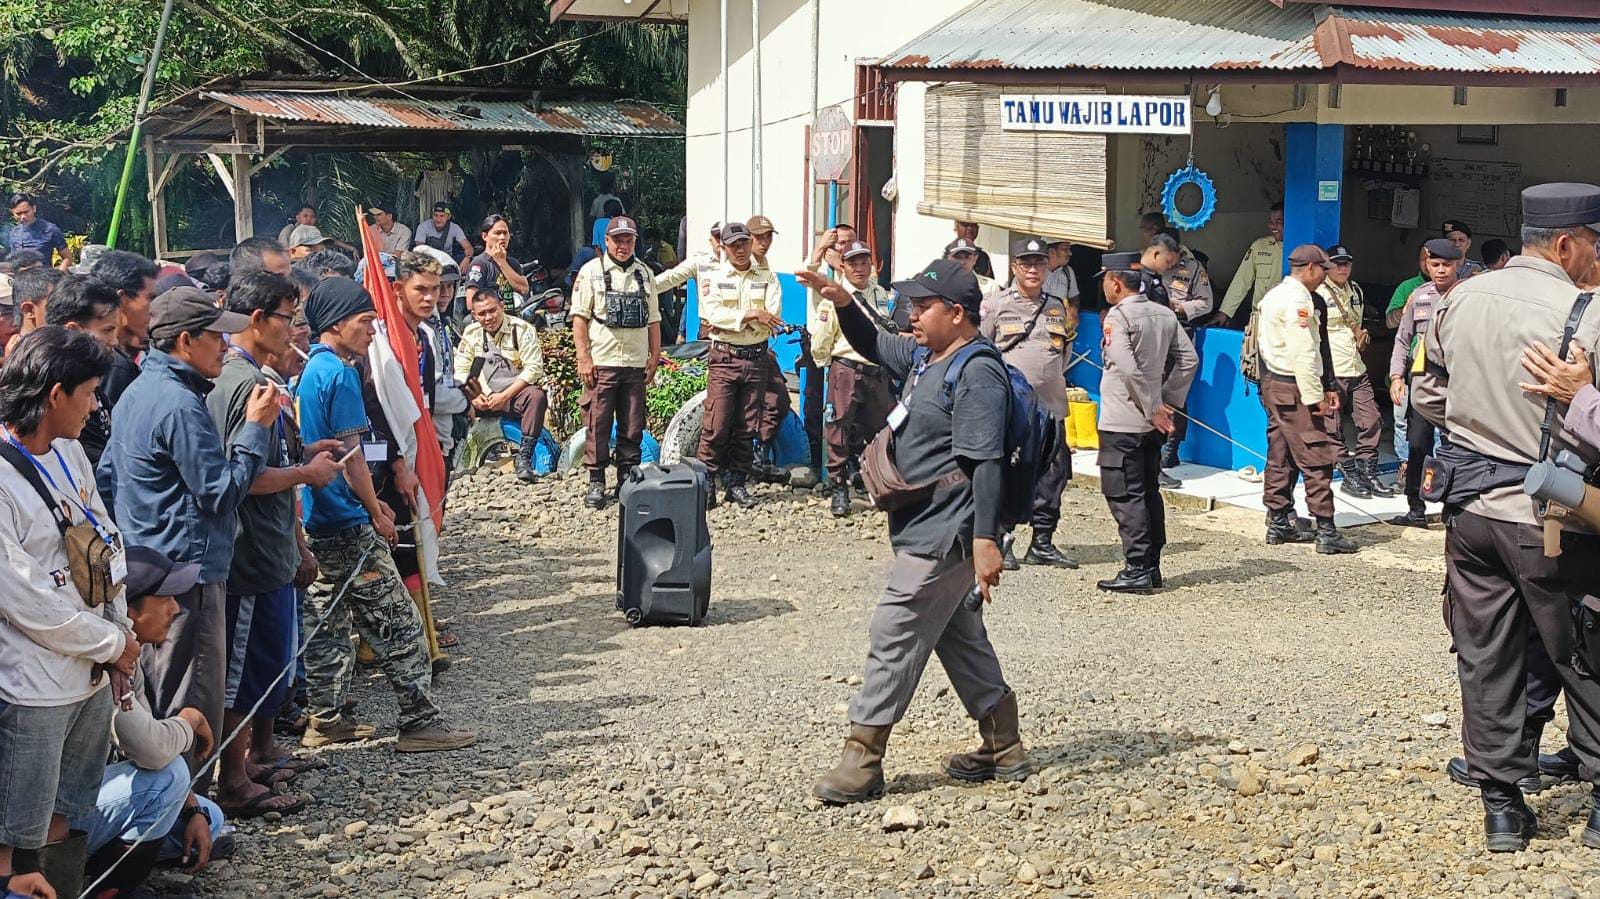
733 232
184 309
307 236
1561 205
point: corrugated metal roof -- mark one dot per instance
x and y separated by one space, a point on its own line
1245 34
587 117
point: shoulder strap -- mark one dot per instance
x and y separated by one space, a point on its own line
1573 319
31 475
1044 300
869 307
964 355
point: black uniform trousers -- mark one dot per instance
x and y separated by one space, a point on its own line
1420 434
1180 421
1501 591
1130 478
1047 491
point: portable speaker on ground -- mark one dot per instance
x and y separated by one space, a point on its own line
664 545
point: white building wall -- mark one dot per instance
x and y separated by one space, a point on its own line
850 30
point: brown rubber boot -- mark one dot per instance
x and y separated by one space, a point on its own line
1001 756
322 732
859 774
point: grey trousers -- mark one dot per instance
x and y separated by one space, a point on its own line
920 614
191 668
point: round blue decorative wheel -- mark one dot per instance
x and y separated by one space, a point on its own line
1208 199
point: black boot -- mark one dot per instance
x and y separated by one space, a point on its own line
1354 483
61 863
1008 562
1167 481
1281 528
1563 765
1417 517
762 470
839 502
524 461
1508 823
1330 541
596 497
1169 455
738 494
1591 830
1375 481
1457 771
1131 580
125 873
1043 552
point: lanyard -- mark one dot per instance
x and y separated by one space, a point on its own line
244 354
67 473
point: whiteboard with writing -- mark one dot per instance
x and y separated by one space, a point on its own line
1485 195
1095 113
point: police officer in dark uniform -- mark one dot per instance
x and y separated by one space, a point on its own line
1149 365
1502 581
1034 332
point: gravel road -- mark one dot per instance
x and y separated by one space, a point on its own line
1275 723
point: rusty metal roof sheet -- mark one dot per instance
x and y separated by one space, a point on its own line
585 117
1198 35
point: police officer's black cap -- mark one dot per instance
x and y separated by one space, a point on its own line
1340 253
1442 248
947 279
1028 245
1119 262
1561 205
734 231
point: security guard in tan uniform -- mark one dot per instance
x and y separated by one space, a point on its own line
616 330
1261 268
1034 332
775 402
860 393
1501 585
1345 301
1294 394
741 307
1189 295
966 252
699 267
1149 365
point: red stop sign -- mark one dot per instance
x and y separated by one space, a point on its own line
832 142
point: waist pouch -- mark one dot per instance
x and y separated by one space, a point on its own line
95 562
1456 476
886 487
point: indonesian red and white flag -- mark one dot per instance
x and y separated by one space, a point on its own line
397 379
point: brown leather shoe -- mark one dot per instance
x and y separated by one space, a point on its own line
859 774
1001 755
321 732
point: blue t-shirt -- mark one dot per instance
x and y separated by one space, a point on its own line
329 401
597 234
42 236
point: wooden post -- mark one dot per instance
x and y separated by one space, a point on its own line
243 212
157 197
311 179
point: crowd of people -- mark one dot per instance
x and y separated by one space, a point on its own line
211 515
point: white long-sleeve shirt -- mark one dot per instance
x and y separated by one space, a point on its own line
1287 337
50 640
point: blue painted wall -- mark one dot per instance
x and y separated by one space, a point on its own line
1220 397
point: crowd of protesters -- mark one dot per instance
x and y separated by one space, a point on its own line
201 515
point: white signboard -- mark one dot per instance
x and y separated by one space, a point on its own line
1095 113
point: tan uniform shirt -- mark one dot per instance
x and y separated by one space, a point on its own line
1189 285
827 340
698 267
1287 336
730 294
516 340
1344 320
1261 268
1041 355
1139 339
615 347
1470 385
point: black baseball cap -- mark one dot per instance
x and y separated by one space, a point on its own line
1340 253
1119 262
1442 248
184 309
734 231
948 280
1027 245
442 207
1561 205
151 573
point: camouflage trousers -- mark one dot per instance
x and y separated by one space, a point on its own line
381 611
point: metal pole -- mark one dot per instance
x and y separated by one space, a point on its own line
755 106
138 120
833 204
816 64
726 156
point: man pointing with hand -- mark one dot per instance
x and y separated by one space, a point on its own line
945 538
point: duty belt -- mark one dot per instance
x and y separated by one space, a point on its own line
865 368
753 351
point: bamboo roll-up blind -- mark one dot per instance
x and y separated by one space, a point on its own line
1050 184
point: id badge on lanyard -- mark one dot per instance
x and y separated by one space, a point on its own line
901 412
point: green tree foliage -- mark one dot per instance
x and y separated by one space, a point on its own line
70 70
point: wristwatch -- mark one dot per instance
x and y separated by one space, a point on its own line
197 809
